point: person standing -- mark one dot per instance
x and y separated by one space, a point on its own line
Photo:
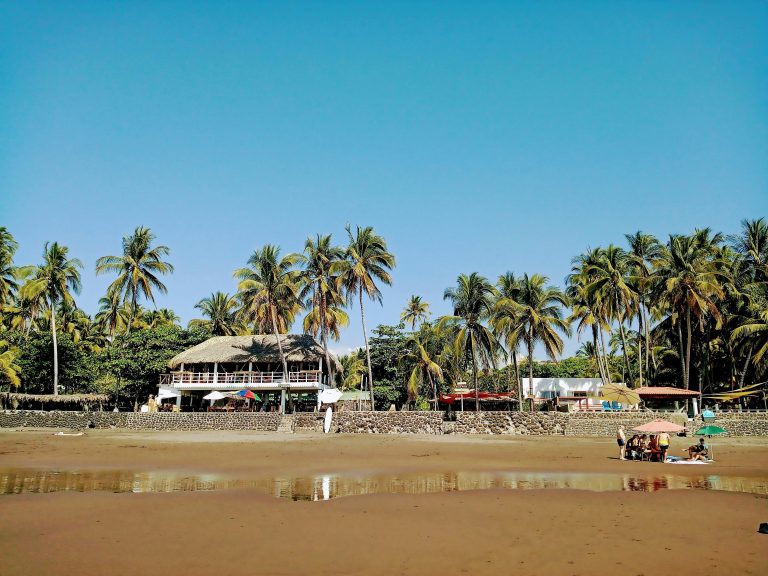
663 446
621 440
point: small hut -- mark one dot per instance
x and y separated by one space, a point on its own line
73 402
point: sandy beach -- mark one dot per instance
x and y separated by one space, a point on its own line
246 531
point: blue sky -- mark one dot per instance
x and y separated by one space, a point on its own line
474 136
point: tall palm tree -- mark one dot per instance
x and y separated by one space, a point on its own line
540 309
269 293
506 323
320 290
690 286
54 282
644 249
421 367
755 330
8 284
611 281
473 300
415 312
9 370
161 317
353 369
137 269
366 261
220 309
113 316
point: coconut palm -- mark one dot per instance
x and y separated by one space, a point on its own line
540 310
137 269
644 249
473 301
415 312
9 370
319 289
755 331
161 317
220 309
8 283
689 287
611 281
506 323
269 294
352 371
420 367
113 316
54 282
366 262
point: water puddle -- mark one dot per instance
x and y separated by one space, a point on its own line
328 486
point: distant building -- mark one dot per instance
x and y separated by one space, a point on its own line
581 393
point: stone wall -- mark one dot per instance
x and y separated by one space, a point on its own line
388 422
538 423
259 421
308 422
739 423
606 423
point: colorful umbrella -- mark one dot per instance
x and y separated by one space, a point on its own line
659 426
710 431
622 394
247 394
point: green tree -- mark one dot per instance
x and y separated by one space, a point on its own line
353 367
366 261
507 324
8 284
540 309
269 293
54 282
473 301
220 311
421 367
319 288
415 312
9 370
138 270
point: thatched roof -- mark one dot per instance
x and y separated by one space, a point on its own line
14 399
260 348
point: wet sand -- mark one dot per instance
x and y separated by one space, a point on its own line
481 532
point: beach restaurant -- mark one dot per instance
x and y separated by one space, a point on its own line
234 363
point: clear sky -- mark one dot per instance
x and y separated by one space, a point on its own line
475 136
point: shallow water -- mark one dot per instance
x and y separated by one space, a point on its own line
328 486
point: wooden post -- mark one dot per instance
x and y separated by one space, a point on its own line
250 372
215 373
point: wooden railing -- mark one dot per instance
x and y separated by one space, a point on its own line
244 379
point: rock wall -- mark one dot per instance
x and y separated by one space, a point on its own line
348 422
259 421
388 422
542 424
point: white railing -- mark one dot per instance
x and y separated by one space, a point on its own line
244 379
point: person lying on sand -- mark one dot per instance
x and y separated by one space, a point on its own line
698 451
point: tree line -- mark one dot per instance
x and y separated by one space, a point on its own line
689 311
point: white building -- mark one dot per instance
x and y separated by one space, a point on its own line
580 392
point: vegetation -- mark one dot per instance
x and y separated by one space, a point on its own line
689 311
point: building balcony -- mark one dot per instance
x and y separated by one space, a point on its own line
306 380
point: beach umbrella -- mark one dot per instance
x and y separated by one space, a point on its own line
163 394
710 430
330 396
617 393
215 395
247 394
658 426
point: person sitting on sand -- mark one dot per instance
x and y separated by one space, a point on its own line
653 450
633 445
699 451
621 440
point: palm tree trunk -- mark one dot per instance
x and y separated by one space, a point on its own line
605 356
644 312
598 357
746 366
530 370
434 388
640 347
623 343
55 351
367 350
324 338
474 375
681 345
688 348
282 358
518 382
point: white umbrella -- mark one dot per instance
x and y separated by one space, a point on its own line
330 396
166 394
215 395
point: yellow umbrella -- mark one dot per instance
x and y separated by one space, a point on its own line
622 394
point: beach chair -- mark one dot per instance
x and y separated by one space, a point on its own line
606 406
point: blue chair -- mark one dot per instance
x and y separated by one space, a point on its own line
606 406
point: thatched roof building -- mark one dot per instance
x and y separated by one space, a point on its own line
259 348
19 401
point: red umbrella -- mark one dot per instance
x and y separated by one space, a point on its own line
247 394
659 426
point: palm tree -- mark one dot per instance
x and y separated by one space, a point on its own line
644 249
161 317
415 312
319 289
422 367
54 281
506 323
269 293
137 269
610 279
754 330
473 300
353 369
9 370
540 310
113 316
8 284
366 261
220 309
689 286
